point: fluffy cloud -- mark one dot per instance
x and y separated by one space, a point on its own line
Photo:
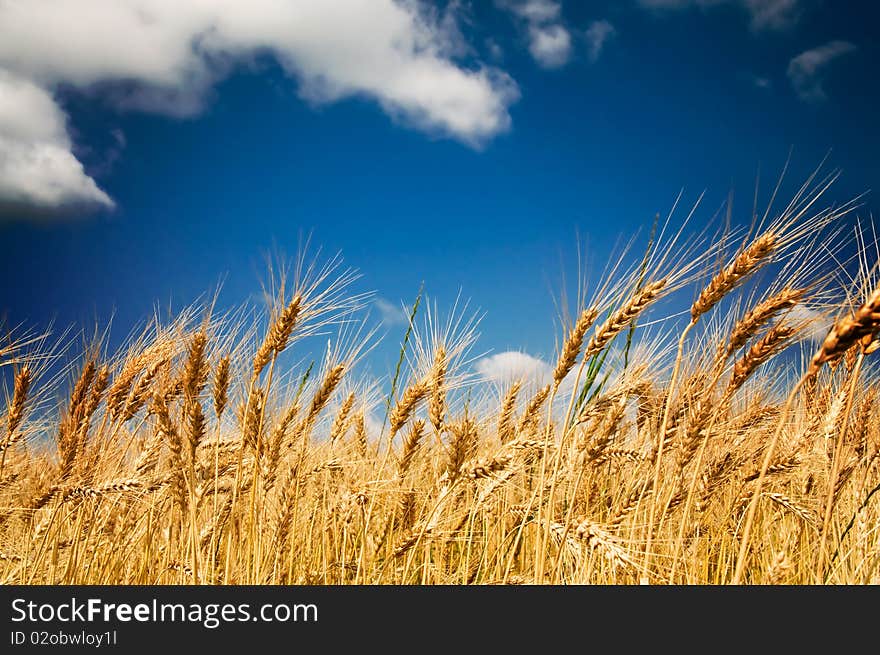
37 169
513 365
807 71
550 45
164 55
549 40
598 34
764 14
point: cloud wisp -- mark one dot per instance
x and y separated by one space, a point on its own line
390 313
807 71
597 35
163 56
763 14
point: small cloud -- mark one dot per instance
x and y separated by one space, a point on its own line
764 14
817 324
391 314
550 45
807 71
495 51
119 137
549 40
373 426
598 34
534 11
773 14
761 82
510 366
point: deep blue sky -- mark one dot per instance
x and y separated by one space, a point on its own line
594 149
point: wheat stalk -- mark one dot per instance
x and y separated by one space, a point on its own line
572 346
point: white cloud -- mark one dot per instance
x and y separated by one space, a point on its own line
598 34
549 40
807 71
534 11
164 56
816 325
507 367
373 426
37 168
390 313
550 45
764 14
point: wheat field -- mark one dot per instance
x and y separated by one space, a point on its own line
710 420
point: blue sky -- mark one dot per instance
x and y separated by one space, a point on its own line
148 152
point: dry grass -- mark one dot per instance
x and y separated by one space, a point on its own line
208 451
